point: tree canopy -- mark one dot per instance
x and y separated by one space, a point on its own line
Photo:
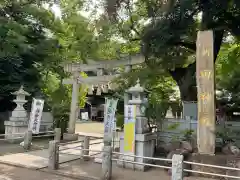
35 43
167 32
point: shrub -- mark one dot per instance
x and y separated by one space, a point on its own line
120 121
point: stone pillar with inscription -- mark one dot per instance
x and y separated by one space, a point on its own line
206 93
17 125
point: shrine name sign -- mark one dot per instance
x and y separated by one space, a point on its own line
206 93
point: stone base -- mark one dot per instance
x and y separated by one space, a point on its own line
70 137
144 146
15 130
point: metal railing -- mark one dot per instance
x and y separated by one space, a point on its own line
176 167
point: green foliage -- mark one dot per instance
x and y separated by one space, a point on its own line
227 135
59 100
120 120
167 31
185 135
21 36
173 126
227 70
188 135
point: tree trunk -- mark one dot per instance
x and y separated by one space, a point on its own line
186 77
186 81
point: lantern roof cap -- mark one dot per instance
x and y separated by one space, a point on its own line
21 91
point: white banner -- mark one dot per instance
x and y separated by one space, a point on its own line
109 115
36 115
130 111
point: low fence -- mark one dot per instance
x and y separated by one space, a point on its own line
28 136
177 167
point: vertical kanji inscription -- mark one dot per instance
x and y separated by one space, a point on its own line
206 93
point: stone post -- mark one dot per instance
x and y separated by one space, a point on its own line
27 140
177 167
53 158
57 134
86 145
107 163
206 93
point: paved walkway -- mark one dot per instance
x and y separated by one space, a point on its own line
15 173
78 170
39 159
72 167
90 170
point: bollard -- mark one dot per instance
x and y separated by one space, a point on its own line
177 167
27 140
57 134
53 158
85 153
107 163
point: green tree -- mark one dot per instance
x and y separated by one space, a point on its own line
228 76
22 35
168 35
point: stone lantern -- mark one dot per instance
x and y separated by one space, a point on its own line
19 112
144 139
18 122
137 96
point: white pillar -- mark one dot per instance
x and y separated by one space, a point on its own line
74 105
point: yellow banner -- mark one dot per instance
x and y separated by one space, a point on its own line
129 137
129 128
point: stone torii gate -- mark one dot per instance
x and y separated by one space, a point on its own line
100 79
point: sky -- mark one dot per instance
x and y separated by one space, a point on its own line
86 13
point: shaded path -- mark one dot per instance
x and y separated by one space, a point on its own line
16 173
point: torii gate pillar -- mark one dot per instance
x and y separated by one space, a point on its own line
70 135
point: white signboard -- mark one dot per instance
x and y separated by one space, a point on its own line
36 115
130 111
109 115
84 116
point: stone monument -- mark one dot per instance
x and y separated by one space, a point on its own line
144 139
18 122
206 93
